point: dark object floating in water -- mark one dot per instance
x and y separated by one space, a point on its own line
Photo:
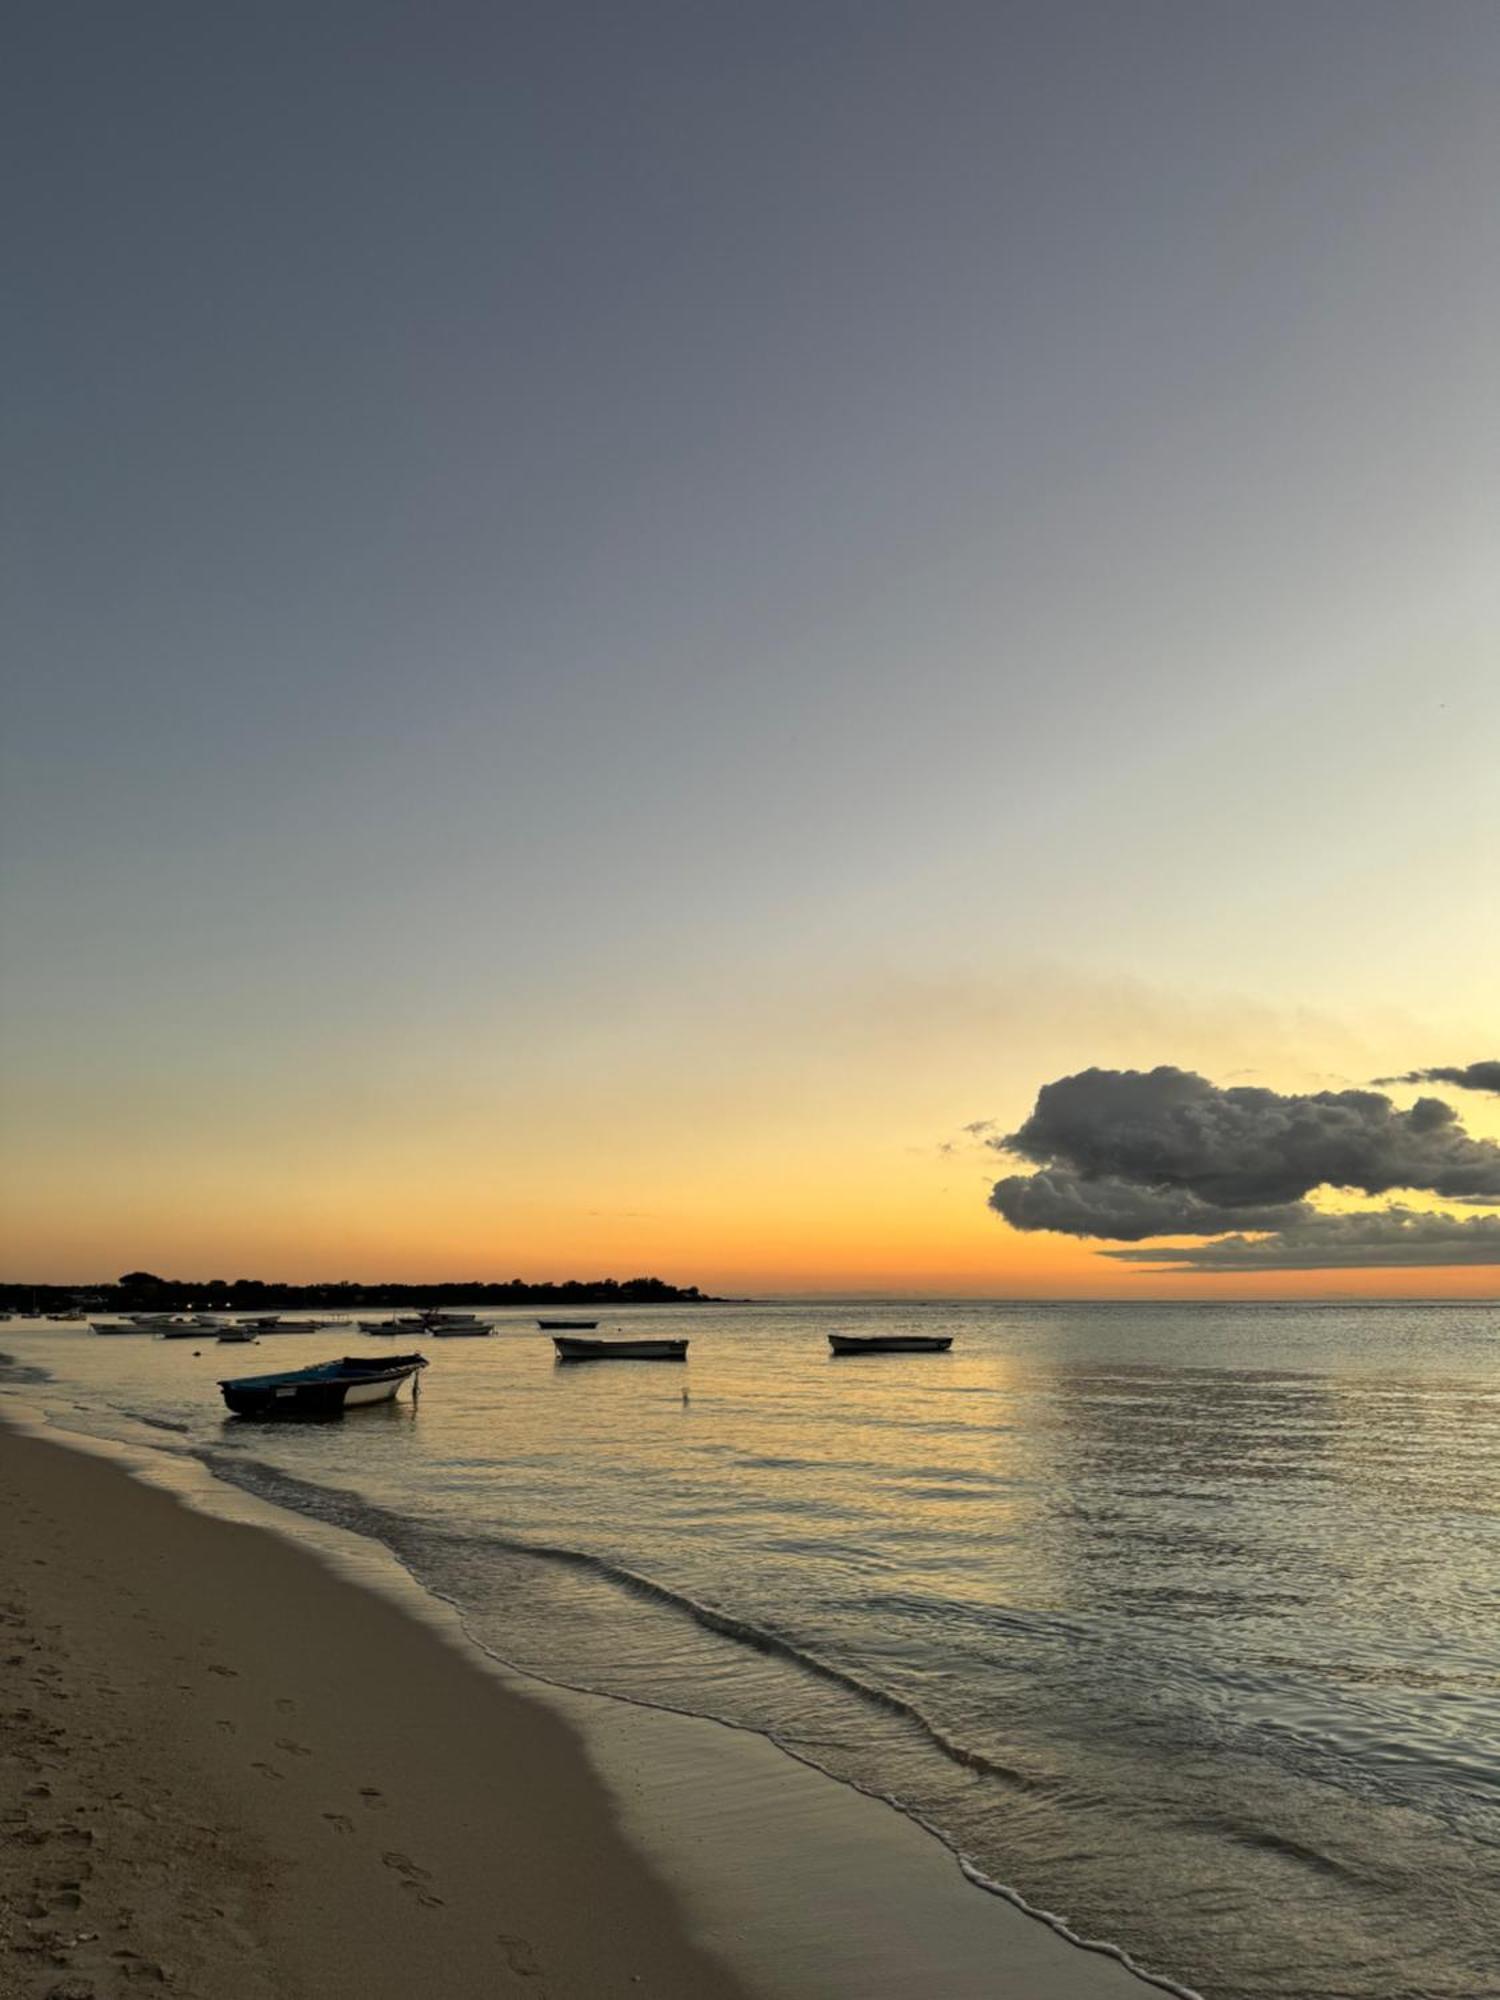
890 1343
325 1390
619 1350
567 1325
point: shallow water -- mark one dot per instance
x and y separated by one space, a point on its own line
1183 1621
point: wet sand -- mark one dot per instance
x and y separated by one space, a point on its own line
228 1771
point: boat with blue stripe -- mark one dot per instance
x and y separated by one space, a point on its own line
325 1390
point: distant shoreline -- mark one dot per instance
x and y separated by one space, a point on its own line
144 1292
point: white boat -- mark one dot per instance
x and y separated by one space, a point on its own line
410 1323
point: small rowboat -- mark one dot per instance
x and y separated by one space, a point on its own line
117 1326
619 1350
325 1390
405 1323
890 1343
567 1325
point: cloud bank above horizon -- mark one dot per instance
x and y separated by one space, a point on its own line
1129 1156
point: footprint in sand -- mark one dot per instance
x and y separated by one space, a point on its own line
404 1865
296 1749
340 1822
266 1770
519 1956
286 1706
228 1672
374 1799
223 1722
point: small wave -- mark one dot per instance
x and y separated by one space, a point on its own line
22 1372
155 1423
350 1510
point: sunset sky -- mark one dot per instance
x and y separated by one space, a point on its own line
622 619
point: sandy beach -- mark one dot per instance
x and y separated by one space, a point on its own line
231 1772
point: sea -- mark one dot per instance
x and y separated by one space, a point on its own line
1180 1622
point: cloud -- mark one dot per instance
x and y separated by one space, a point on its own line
1131 1155
1170 1131
1061 1200
1472 1076
1388 1238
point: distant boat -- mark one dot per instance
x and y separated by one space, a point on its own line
409 1323
279 1323
438 1321
478 1331
238 1336
567 1325
118 1326
325 1390
178 1329
890 1343
619 1350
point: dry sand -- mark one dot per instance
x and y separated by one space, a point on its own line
229 1771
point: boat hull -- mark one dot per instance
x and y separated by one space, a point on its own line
567 1325
326 1391
890 1343
619 1350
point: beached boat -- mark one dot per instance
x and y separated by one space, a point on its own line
619 1350
890 1343
567 1325
325 1390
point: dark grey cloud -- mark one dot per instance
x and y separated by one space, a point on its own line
1128 1155
1471 1076
1061 1200
1168 1130
1382 1239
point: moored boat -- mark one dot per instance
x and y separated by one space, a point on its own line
619 1350
238 1336
118 1326
406 1323
324 1390
890 1343
567 1325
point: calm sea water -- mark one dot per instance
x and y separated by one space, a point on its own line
1182 1621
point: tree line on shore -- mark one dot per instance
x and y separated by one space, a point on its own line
143 1291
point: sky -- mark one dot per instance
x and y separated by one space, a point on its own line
622 620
